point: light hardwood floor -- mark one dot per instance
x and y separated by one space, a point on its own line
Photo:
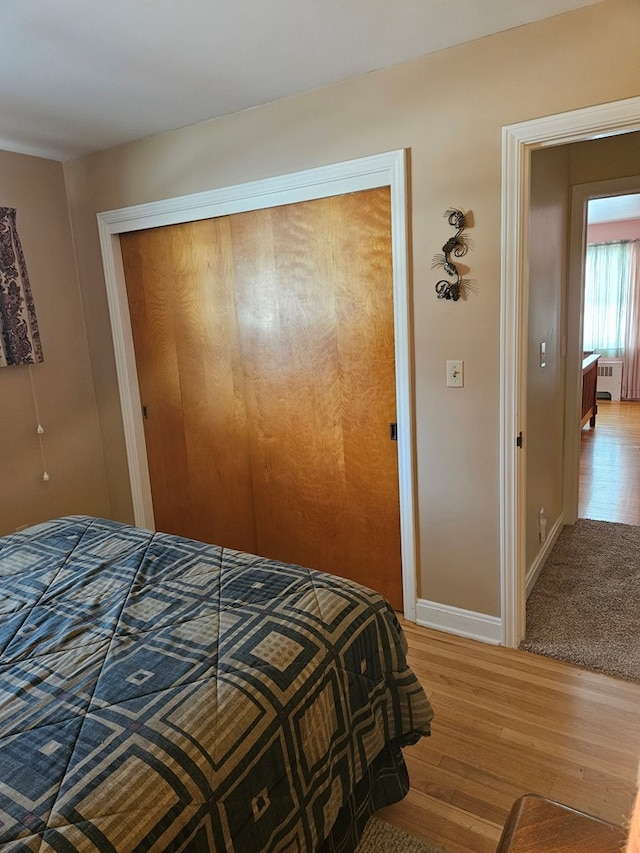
507 723
610 464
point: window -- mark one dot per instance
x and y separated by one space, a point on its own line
607 288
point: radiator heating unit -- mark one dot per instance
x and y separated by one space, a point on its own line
609 382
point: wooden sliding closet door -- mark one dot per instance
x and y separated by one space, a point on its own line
265 353
181 301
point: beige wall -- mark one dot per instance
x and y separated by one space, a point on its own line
548 248
447 109
63 382
606 159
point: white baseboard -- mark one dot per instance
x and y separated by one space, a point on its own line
538 564
479 626
455 620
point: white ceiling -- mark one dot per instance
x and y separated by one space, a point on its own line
613 209
78 76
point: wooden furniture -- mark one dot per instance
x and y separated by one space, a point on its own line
538 825
589 383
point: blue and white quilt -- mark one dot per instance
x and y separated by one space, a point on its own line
160 694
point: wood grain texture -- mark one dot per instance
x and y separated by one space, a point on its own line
191 381
315 302
609 488
538 825
272 332
509 723
589 388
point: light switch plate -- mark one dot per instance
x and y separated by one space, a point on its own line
454 374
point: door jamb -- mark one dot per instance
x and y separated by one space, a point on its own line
518 140
386 169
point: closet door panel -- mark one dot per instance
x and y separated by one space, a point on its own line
289 343
366 344
148 263
181 298
315 305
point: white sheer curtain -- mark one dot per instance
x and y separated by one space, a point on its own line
612 308
606 297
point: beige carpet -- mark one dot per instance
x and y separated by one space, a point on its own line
381 837
585 606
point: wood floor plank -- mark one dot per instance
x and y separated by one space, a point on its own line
454 828
609 487
509 723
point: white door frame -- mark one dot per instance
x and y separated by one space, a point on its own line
518 140
580 196
387 169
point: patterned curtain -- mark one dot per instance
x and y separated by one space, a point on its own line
19 335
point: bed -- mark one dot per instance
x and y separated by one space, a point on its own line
161 694
589 388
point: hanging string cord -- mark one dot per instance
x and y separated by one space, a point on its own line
39 429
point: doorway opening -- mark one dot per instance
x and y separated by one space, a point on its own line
609 458
519 141
574 609
581 604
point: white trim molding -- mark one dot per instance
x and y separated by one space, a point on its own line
386 169
463 623
518 140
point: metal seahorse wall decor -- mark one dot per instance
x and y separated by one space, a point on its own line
456 247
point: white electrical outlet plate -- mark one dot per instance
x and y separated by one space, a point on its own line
455 378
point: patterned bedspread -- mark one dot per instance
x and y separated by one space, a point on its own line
161 694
